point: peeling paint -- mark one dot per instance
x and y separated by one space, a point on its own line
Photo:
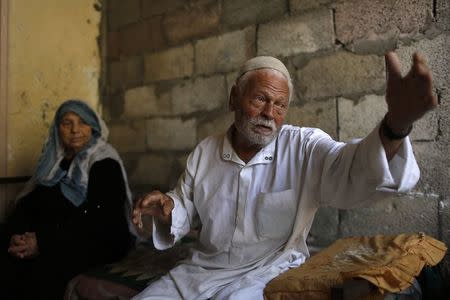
54 56
46 113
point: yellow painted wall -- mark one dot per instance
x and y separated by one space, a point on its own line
53 56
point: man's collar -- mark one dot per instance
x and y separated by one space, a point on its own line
265 155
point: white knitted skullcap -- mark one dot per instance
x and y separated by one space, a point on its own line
264 62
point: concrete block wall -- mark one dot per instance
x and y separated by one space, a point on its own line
171 63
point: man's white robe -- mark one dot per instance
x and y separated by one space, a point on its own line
255 217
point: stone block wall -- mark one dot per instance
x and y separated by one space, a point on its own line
170 66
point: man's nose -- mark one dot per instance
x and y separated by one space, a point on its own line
268 110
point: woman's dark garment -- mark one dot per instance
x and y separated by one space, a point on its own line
71 239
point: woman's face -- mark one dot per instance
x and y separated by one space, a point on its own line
74 133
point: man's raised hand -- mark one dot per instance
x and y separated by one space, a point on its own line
408 98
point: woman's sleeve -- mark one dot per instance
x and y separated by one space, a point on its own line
21 218
105 216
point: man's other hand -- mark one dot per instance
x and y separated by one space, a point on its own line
154 204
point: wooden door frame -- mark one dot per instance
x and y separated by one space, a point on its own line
4 11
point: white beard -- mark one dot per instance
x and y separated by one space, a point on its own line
245 127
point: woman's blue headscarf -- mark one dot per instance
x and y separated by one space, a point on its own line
74 181
71 186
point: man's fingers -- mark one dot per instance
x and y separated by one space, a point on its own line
419 65
418 59
393 66
144 200
150 205
433 102
167 204
151 199
167 210
155 204
421 71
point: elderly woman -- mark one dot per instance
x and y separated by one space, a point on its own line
71 215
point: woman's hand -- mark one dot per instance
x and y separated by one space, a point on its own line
155 204
17 245
24 245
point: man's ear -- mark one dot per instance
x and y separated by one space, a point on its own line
233 96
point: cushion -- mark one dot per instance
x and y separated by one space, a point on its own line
390 263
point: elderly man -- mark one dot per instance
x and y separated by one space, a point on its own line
255 189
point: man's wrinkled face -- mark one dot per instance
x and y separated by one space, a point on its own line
260 103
